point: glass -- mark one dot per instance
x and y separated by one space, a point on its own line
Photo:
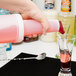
67 18
3 55
65 43
68 21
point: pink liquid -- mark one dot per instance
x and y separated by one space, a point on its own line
34 27
65 57
11 31
8 34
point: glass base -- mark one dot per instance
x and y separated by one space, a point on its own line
64 74
65 70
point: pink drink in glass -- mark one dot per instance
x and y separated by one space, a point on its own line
65 57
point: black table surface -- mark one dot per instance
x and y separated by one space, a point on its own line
33 67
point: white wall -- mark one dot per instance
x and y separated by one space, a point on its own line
39 3
73 6
58 5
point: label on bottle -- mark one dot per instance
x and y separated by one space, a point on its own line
66 6
49 4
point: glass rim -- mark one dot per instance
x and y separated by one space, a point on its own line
73 36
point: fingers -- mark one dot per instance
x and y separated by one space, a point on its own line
45 25
34 36
26 16
35 14
41 18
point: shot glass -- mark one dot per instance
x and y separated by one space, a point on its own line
65 43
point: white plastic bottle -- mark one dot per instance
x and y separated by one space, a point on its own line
13 28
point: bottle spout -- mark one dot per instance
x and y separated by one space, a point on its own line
61 29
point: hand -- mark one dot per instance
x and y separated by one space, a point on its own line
27 9
33 12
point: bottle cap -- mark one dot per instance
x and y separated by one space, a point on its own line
61 29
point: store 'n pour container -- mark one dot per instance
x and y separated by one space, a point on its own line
13 29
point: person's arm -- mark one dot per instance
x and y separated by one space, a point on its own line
27 9
14 5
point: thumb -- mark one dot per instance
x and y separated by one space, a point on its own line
25 16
